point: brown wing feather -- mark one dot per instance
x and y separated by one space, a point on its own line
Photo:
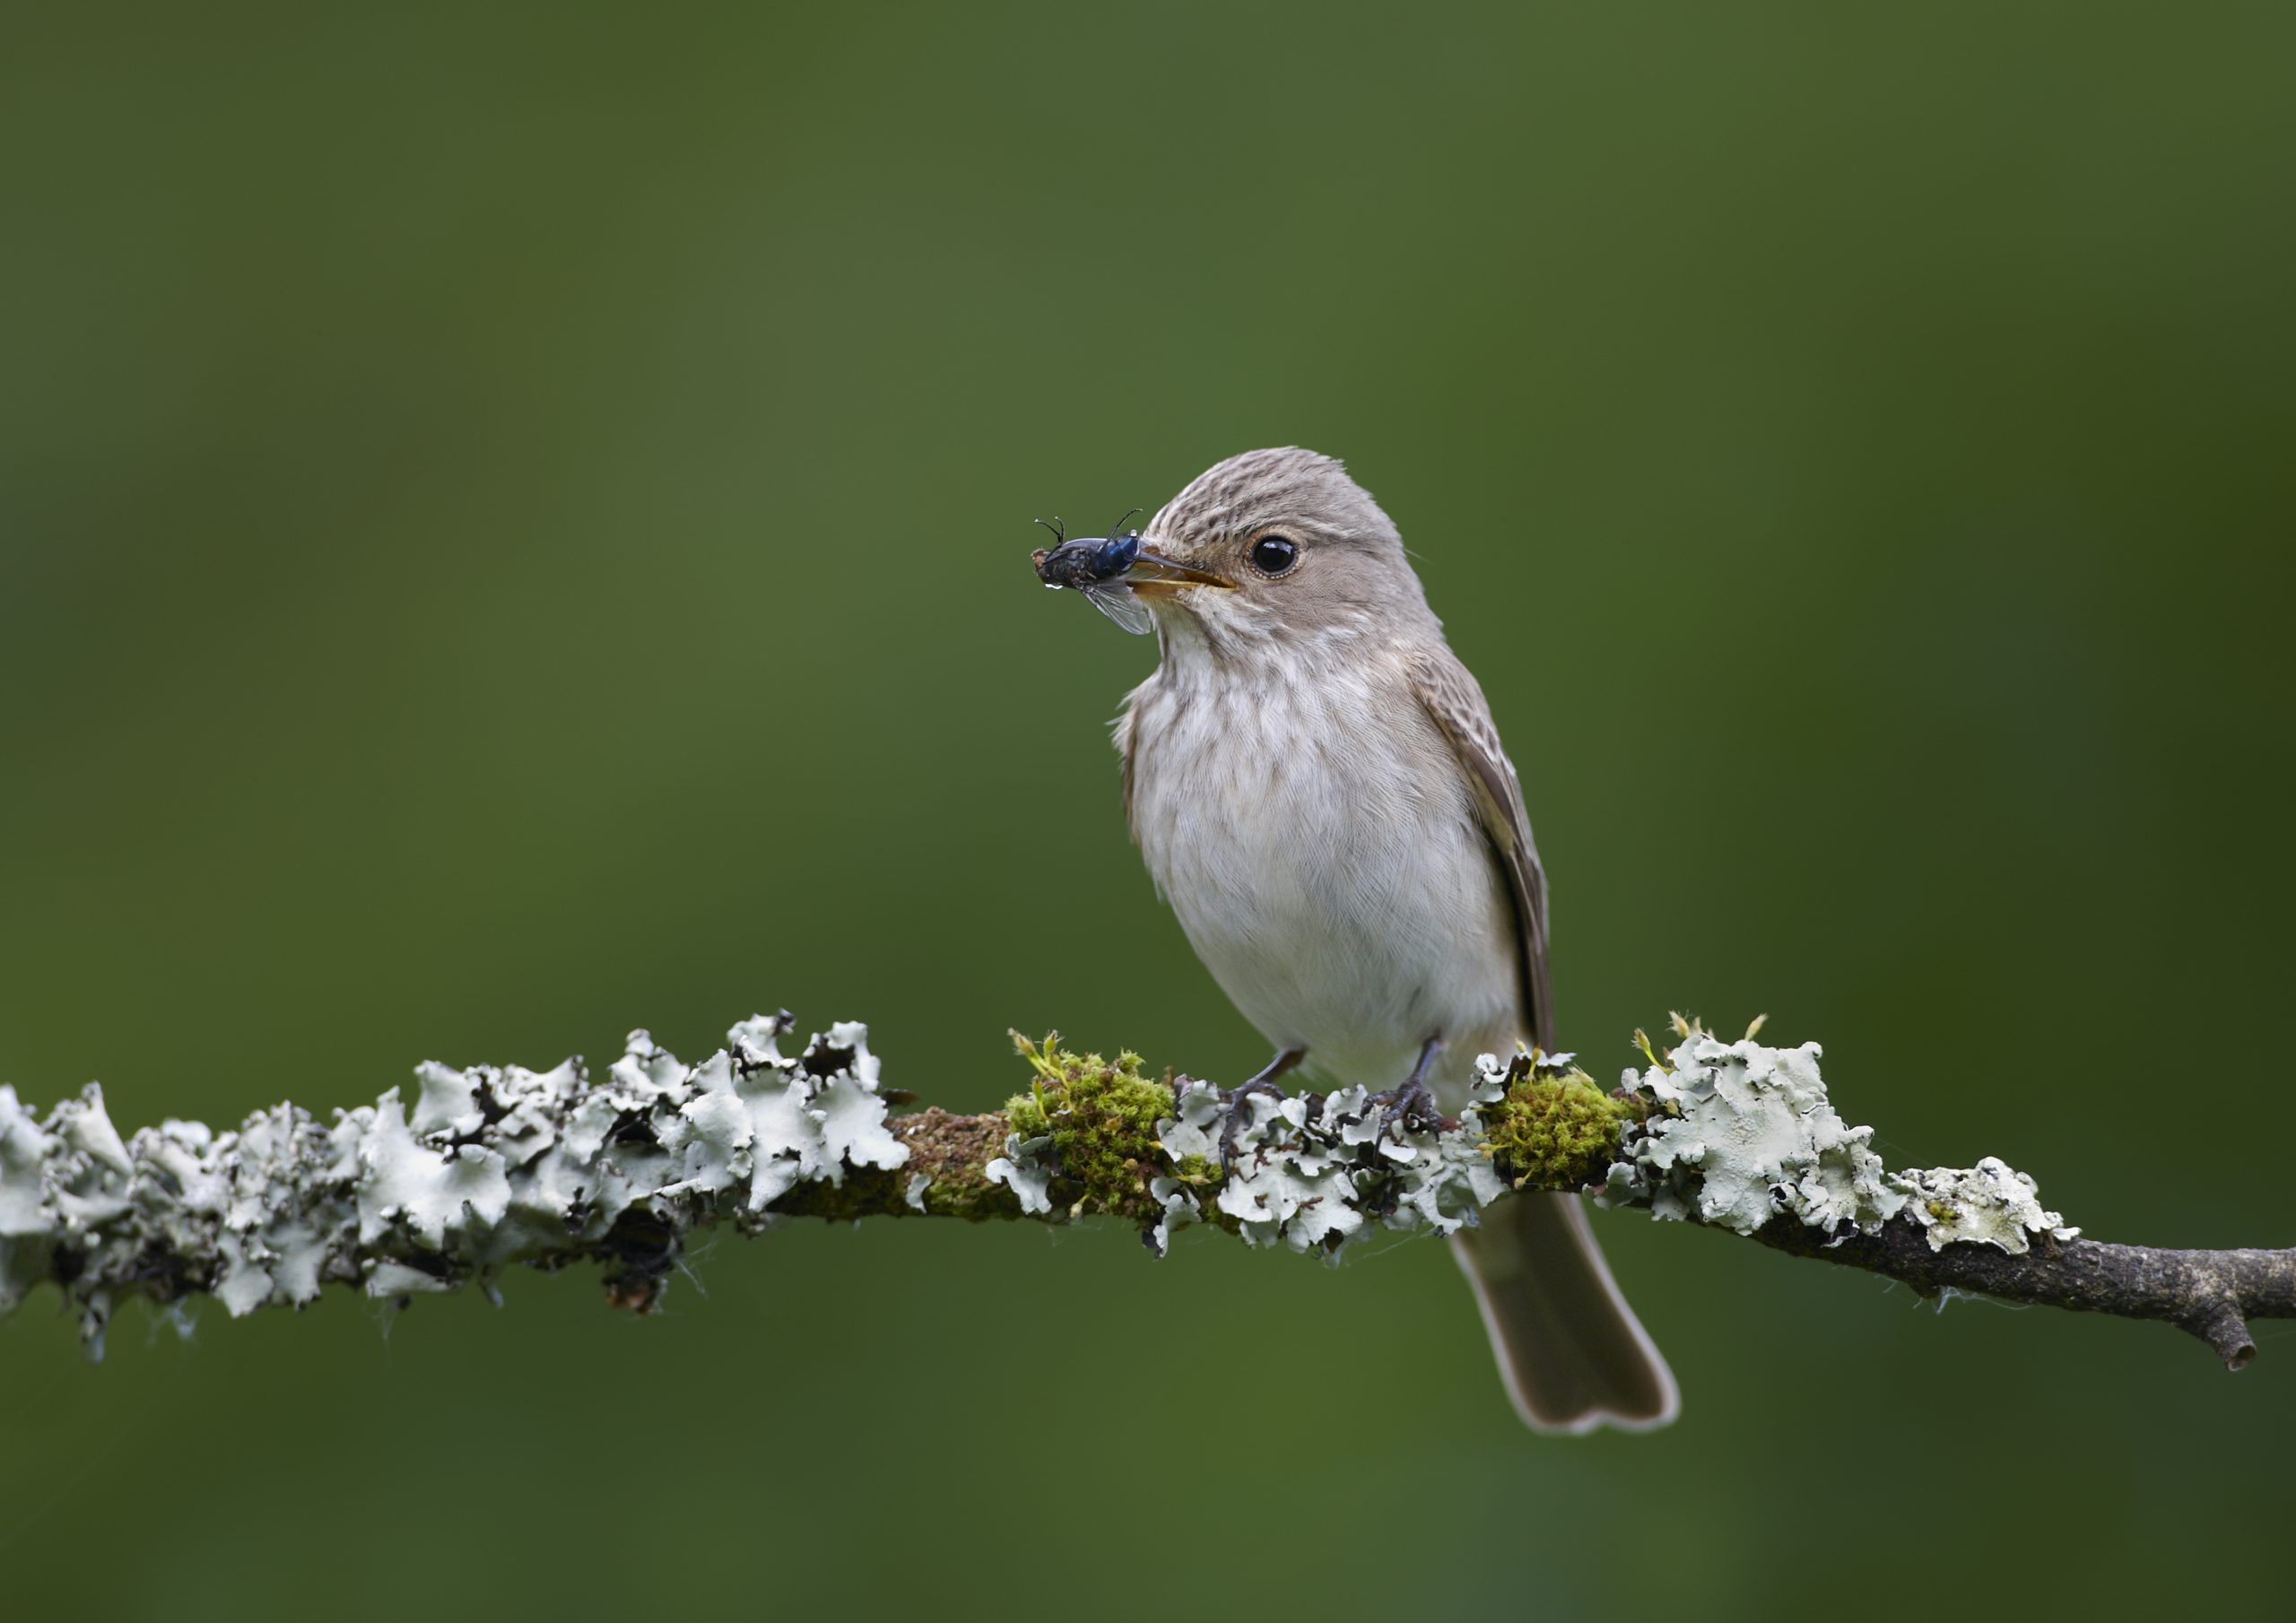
1455 703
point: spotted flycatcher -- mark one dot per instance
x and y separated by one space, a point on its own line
1319 789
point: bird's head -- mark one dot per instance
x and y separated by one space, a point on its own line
1277 544
1271 547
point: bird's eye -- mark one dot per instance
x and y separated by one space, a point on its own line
1273 554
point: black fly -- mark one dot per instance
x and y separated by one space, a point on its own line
1094 565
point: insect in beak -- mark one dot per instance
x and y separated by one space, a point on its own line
1115 572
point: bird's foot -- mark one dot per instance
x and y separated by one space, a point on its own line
1410 1108
1237 1115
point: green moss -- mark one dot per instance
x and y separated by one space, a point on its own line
1557 1132
1101 1117
1027 1113
1198 1173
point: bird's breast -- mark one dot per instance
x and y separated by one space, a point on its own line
1317 841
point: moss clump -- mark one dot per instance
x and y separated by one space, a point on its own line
1101 1117
1556 1132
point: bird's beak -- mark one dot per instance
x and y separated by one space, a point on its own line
1153 574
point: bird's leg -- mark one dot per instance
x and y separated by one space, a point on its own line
1239 1100
1411 1104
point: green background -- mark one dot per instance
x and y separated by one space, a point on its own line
513 525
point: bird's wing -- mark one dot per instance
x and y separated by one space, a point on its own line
1448 692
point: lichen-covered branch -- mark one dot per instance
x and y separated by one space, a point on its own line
488 1168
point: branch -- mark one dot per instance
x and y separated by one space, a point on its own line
495 1167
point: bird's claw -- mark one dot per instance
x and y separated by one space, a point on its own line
1237 1115
1410 1108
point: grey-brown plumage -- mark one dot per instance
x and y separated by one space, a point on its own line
1317 785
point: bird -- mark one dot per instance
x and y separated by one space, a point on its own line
1316 783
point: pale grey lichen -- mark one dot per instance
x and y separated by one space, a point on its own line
1312 1172
1989 1202
491 1167
767 1124
1179 1209
1741 1134
1027 1169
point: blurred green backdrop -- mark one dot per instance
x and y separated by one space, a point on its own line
513 527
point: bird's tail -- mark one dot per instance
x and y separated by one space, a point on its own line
1570 1350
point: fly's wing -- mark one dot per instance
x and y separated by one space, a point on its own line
1447 689
1116 601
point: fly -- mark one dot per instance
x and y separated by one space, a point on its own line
1094 565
